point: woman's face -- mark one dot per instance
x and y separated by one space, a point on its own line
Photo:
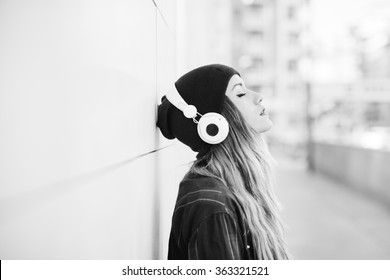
249 104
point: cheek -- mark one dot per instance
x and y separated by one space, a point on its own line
249 116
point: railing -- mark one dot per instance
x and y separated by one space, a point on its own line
362 169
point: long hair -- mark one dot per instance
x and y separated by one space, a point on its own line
242 161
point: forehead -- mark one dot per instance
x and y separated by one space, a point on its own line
234 80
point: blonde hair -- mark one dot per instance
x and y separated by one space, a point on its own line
245 165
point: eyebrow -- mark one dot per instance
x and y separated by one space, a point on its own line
239 84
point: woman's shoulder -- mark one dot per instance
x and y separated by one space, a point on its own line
203 201
208 193
204 185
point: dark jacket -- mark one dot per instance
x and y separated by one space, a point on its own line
208 223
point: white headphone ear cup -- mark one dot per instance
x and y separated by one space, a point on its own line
218 122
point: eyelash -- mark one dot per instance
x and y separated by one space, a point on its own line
241 94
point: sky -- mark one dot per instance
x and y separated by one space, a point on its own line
332 18
333 47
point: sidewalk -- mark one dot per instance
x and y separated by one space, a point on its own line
326 220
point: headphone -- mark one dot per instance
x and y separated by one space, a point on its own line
212 127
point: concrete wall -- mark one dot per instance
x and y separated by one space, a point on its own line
79 84
363 169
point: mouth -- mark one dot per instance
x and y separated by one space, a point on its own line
263 113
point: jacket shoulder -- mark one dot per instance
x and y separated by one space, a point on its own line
205 194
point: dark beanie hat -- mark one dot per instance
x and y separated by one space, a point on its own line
203 87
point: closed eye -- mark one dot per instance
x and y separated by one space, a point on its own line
241 94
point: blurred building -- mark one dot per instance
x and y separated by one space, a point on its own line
204 33
351 89
267 49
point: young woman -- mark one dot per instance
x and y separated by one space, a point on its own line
226 208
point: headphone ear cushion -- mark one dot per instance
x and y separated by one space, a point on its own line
213 128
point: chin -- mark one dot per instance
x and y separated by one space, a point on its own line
264 128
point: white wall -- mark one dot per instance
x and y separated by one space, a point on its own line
79 83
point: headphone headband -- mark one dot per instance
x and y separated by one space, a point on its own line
177 100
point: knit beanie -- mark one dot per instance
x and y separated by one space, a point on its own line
203 87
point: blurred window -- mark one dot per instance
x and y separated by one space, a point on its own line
253 4
293 38
292 65
291 12
373 114
256 33
258 62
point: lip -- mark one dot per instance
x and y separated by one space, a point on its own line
263 112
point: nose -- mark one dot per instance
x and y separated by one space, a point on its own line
257 97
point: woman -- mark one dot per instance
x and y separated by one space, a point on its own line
226 208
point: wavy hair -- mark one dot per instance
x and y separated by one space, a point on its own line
242 161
